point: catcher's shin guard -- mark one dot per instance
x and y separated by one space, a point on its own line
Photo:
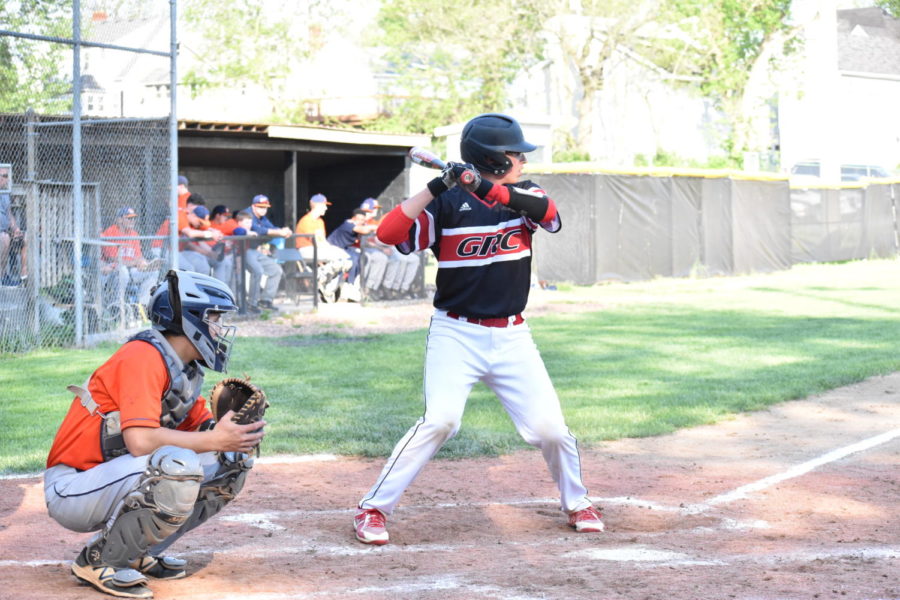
155 510
219 491
227 484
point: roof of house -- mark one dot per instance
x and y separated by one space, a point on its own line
868 41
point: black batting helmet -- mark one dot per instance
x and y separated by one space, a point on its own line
487 138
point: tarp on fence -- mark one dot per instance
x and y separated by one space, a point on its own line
832 224
629 227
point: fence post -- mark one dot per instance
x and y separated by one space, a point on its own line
173 137
78 206
31 220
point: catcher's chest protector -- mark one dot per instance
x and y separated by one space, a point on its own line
184 385
177 399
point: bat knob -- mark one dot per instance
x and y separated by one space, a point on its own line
467 177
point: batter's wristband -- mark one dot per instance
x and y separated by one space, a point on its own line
437 187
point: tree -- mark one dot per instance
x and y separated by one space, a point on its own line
728 40
892 6
30 76
591 35
451 61
257 43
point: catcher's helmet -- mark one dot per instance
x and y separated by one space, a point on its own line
182 303
487 138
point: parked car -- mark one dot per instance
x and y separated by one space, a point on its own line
810 171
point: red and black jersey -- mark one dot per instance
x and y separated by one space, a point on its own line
483 253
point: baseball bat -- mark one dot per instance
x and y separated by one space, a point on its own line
423 157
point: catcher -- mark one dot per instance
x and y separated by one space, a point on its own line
139 458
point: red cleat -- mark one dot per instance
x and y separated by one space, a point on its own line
587 520
369 524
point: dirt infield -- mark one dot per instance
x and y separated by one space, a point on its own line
799 501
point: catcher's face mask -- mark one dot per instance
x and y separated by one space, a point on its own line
221 335
195 305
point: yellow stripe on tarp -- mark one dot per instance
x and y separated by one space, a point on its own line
856 185
587 168
591 168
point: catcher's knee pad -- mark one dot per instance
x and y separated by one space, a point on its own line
227 484
157 508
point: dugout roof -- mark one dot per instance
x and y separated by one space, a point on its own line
229 163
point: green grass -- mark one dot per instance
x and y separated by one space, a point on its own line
659 356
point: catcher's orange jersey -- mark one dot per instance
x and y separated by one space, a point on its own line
132 382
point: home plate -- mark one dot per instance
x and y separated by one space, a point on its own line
640 554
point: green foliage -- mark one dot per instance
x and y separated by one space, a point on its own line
590 36
251 43
30 75
661 355
891 6
727 38
452 60
570 156
664 158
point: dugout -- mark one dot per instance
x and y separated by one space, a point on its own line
229 163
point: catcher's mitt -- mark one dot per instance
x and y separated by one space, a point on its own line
246 400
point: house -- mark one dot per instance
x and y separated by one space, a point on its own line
837 101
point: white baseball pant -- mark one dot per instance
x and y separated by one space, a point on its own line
458 355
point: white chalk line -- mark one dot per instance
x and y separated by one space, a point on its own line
275 459
628 553
444 583
22 476
265 520
793 472
288 459
638 554
646 556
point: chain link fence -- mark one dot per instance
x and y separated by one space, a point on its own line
87 140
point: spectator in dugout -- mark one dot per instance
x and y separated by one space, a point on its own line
389 274
191 201
347 237
193 223
122 261
333 262
222 262
259 259
9 228
183 191
375 253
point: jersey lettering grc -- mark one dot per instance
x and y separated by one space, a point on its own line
483 252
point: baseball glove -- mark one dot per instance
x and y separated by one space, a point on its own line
246 400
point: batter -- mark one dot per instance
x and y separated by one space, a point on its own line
481 234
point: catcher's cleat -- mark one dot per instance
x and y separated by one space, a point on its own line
370 527
587 520
124 583
162 567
